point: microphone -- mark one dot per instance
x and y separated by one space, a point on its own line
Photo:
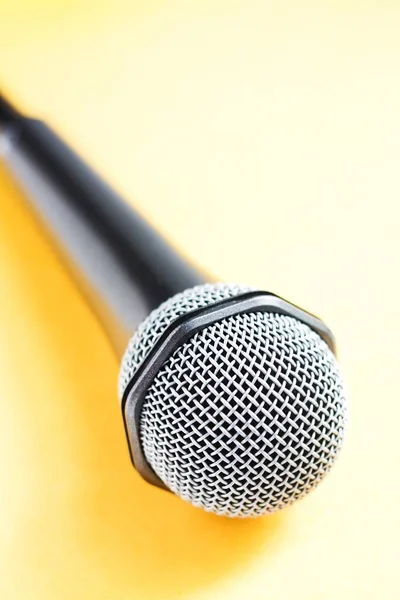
232 397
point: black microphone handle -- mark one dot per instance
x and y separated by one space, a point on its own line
124 266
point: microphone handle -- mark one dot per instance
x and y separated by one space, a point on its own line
125 268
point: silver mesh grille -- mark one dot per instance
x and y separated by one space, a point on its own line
247 416
158 320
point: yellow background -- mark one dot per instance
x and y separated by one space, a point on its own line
264 139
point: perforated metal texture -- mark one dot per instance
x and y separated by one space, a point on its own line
151 329
245 417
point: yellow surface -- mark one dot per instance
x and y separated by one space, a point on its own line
263 138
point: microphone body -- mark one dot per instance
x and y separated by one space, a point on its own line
231 397
124 266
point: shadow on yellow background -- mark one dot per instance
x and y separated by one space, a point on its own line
73 506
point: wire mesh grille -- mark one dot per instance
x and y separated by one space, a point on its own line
158 320
247 416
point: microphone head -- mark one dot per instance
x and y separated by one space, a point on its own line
245 416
